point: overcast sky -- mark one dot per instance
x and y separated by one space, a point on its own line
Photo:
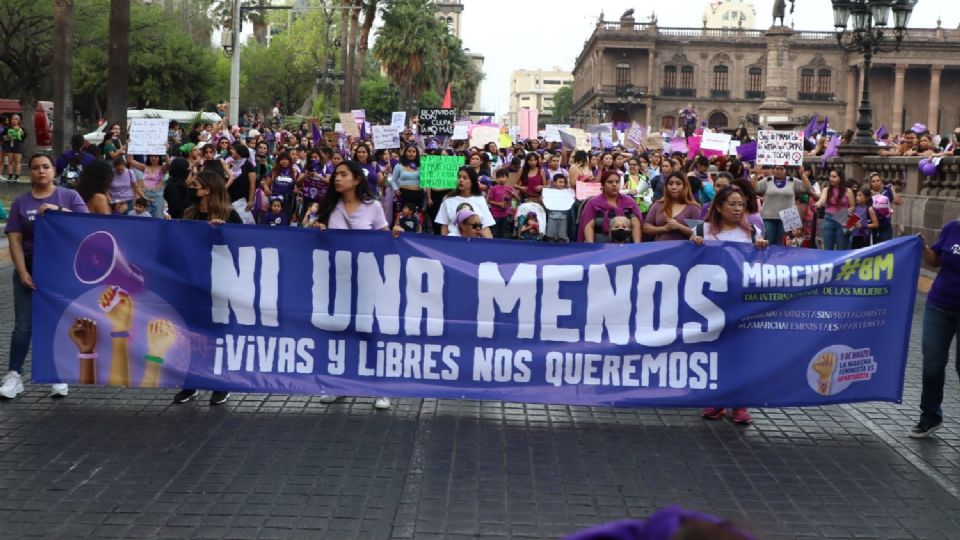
536 34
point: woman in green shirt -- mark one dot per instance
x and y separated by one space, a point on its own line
11 150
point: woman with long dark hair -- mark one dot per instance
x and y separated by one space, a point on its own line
598 213
44 196
351 205
466 196
405 180
94 185
532 179
281 182
667 218
836 199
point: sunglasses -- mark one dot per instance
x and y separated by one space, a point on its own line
474 226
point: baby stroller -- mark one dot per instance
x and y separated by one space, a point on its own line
524 211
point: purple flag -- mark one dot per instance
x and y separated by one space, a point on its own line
812 126
825 126
747 151
831 150
317 136
882 131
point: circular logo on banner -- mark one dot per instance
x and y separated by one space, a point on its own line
835 368
797 156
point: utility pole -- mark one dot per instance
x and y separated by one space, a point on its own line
235 66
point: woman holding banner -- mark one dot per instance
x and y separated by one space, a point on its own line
350 205
44 196
727 221
599 211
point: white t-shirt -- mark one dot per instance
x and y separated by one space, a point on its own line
448 212
734 235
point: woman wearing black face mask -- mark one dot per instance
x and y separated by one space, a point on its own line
620 230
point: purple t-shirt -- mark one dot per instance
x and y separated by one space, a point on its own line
24 212
945 292
283 182
121 187
369 217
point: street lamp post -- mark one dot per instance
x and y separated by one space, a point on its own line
327 81
601 109
867 37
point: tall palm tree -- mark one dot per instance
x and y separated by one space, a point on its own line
407 46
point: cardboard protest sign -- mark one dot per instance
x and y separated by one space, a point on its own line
552 132
349 124
148 136
635 136
586 190
716 141
790 217
505 141
678 145
440 172
385 137
779 147
558 199
460 131
398 120
575 138
482 135
653 141
437 122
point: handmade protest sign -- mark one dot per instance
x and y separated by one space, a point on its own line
779 147
439 172
349 124
587 190
558 199
437 122
148 136
483 135
398 120
529 119
552 132
385 137
460 131
360 313
575 138
715 141
790 217
653 141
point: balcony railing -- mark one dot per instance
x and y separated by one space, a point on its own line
815 96
755 94
720 94
678 92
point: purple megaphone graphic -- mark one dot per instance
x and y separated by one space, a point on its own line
99 260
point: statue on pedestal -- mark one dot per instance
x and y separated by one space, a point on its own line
780 10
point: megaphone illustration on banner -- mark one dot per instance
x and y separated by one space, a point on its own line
99 260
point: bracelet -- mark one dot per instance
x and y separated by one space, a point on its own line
155 359
120 334
87 356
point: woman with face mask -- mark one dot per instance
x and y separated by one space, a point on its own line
598 212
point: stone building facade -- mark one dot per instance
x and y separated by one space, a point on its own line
646 73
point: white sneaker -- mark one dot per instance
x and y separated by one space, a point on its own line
381 403
59 390
327 398
12 385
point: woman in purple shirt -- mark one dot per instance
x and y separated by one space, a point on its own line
44 196
941 325
351 205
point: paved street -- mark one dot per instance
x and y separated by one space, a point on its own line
114 463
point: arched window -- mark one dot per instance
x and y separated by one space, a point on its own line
670 77
717 120
755 79
806 81
721 78
623 74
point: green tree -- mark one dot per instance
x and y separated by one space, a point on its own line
378 98
408 46
266 82
563 104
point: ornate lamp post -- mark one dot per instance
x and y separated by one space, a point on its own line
328 81
601 110
868 36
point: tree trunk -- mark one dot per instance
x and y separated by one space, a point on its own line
260 30
62 75
118 64
344 45
363 45
352 61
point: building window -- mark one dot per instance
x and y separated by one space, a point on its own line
670 77
823 81
686 77
806 81
667 122
721 78
755 80
623 75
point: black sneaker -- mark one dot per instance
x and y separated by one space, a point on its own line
923 429
218 397
184 395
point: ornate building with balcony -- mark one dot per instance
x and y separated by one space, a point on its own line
639 71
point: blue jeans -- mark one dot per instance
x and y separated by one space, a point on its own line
773 231
940 326
834 235
22 316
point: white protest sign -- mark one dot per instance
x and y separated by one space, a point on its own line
460 131
791 219
577 139
558 199
338 127
715 141
733 148
552 133
779 147
398 119
385 137
483 135
148 136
